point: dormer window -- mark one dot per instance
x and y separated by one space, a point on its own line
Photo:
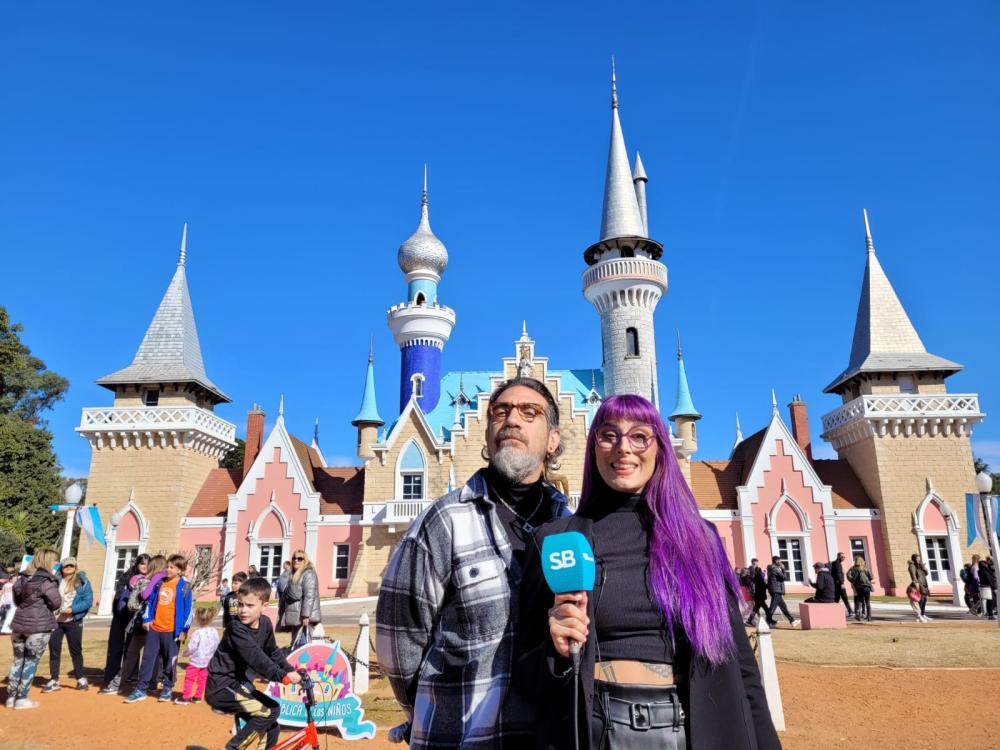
418 385
151 397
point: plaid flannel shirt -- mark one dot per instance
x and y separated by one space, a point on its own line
446 623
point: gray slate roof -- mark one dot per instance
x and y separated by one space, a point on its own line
884 337
170 351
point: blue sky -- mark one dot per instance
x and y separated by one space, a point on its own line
292 137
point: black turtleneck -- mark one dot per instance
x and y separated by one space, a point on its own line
517 504
629 621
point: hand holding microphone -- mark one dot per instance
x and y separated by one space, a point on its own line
568 566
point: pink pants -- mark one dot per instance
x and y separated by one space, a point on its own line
194 682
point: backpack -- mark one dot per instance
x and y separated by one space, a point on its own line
964 575
135 600
122 595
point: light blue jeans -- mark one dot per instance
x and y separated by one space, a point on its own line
28 650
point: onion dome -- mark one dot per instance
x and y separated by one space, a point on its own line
423 251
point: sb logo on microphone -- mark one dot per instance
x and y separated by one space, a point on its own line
562 559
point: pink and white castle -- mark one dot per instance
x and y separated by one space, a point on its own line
903 441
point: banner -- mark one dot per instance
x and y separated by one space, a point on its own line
973 519
89 521
336 705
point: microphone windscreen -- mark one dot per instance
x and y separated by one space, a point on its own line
568 562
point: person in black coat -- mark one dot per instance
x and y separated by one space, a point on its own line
652 673
839 581
758 586
824 585
988 580
776 577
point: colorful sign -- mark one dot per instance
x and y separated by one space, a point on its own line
335 703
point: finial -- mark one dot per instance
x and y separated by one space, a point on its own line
774 401
131 495
423 200
524 330
593 380
316 431
371 349
679 355
738 429
184 246
614 85
281 407
868 232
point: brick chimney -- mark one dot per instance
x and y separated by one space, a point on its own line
800 425
255 437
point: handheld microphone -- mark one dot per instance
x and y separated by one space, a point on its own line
568 565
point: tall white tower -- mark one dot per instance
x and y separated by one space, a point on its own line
625 278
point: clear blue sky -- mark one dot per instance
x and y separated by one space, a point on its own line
291 137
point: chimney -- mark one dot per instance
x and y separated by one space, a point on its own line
800 425
255 437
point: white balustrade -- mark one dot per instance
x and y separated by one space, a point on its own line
626 268
153 424
944 405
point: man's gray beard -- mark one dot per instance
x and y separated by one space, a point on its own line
514 464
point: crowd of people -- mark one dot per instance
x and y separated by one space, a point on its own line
476 647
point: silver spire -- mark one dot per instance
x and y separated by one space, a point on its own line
621 216
423 251
868 232
639 181
184 246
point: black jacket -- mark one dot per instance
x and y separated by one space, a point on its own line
37 599
824 587
837 571
758 585
726 708
987 575
776 577
242 652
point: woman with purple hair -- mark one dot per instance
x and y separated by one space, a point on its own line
665 657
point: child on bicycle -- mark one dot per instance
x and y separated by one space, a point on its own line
248 647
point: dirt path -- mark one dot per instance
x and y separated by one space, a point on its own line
878 708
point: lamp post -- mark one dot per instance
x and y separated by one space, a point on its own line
73 495
984 483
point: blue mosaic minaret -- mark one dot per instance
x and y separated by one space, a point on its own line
421 325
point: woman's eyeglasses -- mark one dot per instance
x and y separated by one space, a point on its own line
608 438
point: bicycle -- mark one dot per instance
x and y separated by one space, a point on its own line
307 737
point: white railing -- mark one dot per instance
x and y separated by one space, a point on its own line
157 418
930 405
397 511
641 268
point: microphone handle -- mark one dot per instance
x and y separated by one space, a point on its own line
574 652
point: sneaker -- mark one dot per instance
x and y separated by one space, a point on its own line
22 703
165 697
135 696
11 701
107 690
82 684
51 686
196 700
218 711
182 701
793 624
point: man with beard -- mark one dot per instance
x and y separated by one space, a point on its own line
447 620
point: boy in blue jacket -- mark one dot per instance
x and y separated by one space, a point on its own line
166 620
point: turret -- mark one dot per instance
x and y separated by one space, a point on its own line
684 414
368 421
625 279
421 326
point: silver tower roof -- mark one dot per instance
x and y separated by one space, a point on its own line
621 217
170 351
884 337
423 251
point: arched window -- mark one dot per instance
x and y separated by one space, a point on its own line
421 298
418 385
631 342
412 473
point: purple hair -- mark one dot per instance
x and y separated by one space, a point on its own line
689 571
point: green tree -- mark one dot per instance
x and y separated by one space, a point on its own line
29 472
234 459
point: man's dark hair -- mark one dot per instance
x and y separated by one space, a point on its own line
551 407
775 559
239 578
259 587
754 560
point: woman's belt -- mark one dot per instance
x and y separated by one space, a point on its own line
640 707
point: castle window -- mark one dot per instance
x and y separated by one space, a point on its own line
790 552
123 559
938 562
421 299
627 252
412 473
858 549
151 398
418 385
413 486
631 342
341 561
906 384
269 561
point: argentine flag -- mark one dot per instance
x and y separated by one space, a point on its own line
89 521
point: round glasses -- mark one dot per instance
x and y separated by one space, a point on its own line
639 438
529 412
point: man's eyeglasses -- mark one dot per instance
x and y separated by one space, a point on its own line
529 412
640 438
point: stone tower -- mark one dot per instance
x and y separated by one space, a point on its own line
684 416
160 438
905 436
421 325
368 421
625 278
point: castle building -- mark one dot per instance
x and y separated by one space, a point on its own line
904 458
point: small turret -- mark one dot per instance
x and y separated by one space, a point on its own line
368 421
684 414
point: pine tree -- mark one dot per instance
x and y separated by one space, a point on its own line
29 471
